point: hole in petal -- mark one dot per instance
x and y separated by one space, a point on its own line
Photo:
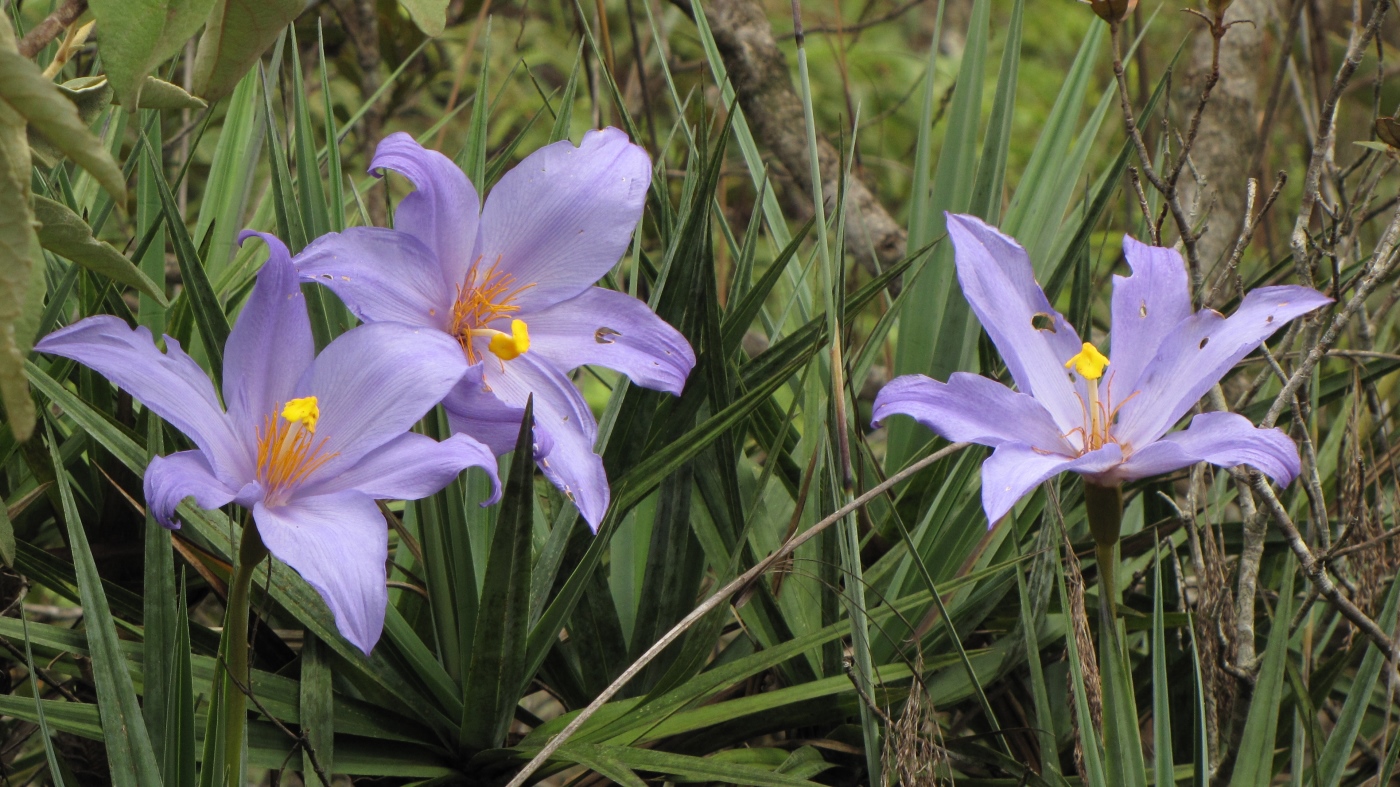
605 335
1204 342
1142 310
1043 322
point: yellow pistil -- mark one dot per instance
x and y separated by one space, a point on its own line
287 450
304 411
510 346
1090 363
482 298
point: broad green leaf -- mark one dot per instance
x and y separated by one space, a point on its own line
55 771
21 271
230 179
1331 765
64 233
1162 762
137 35
25 90
1254 764
159 94
208 313
317 709
934 339
496 677
565 111
129 753
429 15
239 31
7 538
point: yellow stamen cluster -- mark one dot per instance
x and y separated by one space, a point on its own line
1089 362
287 451
482 298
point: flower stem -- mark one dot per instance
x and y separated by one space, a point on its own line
1104 507
250 553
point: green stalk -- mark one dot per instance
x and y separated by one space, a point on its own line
1104 508
250 553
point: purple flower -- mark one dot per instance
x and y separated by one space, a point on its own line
1164 359
511 282
307 443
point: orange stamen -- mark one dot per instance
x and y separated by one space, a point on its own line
481 300
287 456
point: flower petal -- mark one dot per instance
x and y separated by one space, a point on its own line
1223 439
1014 469
171 479
373 383
564 216
171 384
1146 307
1198 352
473 409
564 428
1033 338
413 466
443 212
608 328
270 345
380 275
970 408
337 543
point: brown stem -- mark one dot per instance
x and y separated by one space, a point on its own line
1317 573
46 31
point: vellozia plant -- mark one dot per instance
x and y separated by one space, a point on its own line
1068 415
307 444
511 282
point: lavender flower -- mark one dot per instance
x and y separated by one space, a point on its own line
511 283
306 443
1164 358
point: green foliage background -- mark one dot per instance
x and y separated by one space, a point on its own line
905 643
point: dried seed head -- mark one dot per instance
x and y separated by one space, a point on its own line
1112 11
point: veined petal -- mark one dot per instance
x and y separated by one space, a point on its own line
443 212
380 275
270 345
970 408
607 328
1223 439
337 543
413 466
372 384
1014 469
171 384
1198 352
564 216
473 409
564 428
1033 338
1146 307
171 479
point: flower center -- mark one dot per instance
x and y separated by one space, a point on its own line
1090 363
287 449
485 297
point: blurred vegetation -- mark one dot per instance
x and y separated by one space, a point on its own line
906 642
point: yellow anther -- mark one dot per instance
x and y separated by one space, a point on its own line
304 411
1089 362
510 346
